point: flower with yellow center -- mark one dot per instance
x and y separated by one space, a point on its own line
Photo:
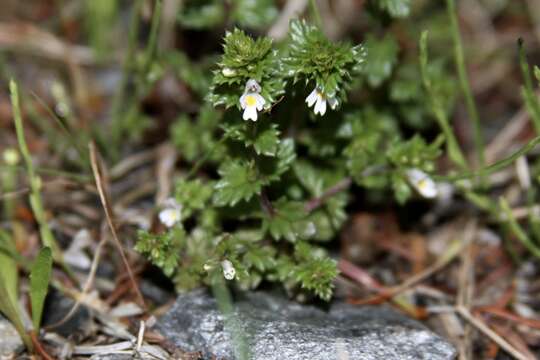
251 101
318 98
422 183
171 213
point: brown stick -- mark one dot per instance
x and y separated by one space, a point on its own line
317 202
109 215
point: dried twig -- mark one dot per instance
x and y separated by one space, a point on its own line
479 324
317 202
109 215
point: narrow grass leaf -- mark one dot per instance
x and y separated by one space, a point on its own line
39 283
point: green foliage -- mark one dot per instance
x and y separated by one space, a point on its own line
395 8
205 14
312 58
243 59
39 284
381 59
263 192
162 250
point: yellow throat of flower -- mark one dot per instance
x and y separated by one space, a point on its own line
250 100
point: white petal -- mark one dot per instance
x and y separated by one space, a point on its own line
169 217
310 100
260 101
250 113
243 101
320 106
333 102
422 183
229 271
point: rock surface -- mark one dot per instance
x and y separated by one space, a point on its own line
10 341
273 328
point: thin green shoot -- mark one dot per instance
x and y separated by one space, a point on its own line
493 168
517 230
35 181
531 100
459 58
452 145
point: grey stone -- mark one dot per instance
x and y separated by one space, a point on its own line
10 341
274 328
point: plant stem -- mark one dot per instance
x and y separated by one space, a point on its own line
493 167
530 98
338 187
518 231
315 13
205 158
118 100
452 145
464 82
35 182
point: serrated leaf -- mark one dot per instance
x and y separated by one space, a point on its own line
254 14
267 142
381 59
193 195
202 14
289 221
39 283
239 181
395 8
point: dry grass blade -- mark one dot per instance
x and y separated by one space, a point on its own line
86 287
477 323
109 215
466 287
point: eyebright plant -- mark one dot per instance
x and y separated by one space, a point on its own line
273 154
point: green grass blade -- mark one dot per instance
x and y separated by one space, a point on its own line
464 82
452 145
529 97
46 234
8 267
499 165
39 283
517 230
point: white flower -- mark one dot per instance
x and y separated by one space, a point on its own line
318 98
11 156
228 270
422 183
251 101
171 213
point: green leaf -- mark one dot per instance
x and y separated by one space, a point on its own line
395 8
39 284
163 250
289 221
402 190
202 14
267 142
537 73
11 311
239 181
193 195
8 267
381 59
314 270
254 14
